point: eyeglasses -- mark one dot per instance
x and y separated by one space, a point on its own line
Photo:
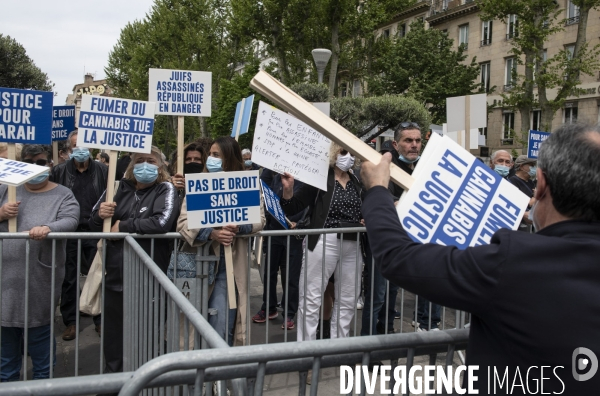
408 125
40 162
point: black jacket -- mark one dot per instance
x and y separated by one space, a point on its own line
395 189
320 202
64 174
153 210
535 298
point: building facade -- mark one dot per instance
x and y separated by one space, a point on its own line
88 87
490 42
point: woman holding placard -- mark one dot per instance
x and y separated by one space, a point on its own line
145 203
225 156
194 162
338 207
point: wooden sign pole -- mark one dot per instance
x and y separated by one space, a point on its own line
110 186
230 277
289 101
180 159
55 152
240 118
12 191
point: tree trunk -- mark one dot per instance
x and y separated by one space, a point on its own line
203 127
335 56
527 101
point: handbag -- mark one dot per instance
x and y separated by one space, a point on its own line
90 301
349 236
186 266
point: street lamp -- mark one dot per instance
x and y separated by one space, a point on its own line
321 57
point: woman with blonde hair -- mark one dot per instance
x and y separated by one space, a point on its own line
145 203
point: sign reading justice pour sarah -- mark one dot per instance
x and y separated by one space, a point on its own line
222 198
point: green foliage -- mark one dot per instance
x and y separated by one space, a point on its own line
424 66
17 70
311 92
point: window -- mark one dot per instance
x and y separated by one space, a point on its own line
485 76
483 131
444 5
344 90
356 89
570 114
511 65
512 25
536 120
463 36
486 33
386 33
508 127
572 13
570 49
401 30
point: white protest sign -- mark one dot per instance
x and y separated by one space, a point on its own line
115 124
285 144
222 198
457 200
15 173
180 92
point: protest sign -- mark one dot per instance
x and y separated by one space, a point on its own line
273 206
535 139
115 124
15 173
63 122
25 116
222 198
180 92
457 200
285 144
243 112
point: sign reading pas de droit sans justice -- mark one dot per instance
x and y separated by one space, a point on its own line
115 124
222 198
180 92
63 122
25 116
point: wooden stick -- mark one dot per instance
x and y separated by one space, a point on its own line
55 152
180 158
467 145
240 119
230 278
110 186
288 100
12 191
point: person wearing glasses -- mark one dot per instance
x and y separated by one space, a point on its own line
338 207
87 180
41 207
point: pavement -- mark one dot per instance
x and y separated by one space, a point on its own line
87 359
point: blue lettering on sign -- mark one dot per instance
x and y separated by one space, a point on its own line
535 143
272 205
25 116
63 122
110 122
223 200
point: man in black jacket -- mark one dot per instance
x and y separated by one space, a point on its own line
87 180
533 297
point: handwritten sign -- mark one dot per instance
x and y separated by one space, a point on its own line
273 206
222 198
115 124
25 116
285 144
180 92
63 122
535 139
456 199
15 173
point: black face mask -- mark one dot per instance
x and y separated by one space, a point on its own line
193 167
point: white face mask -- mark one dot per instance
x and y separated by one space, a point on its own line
344 162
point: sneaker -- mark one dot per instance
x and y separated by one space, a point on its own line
289 323
397 315
261 316
420 329
279 306
360 304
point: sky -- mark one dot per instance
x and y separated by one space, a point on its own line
66 37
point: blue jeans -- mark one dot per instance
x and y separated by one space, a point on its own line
423 314
218 301
38 347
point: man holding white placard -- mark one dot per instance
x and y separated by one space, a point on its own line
511 284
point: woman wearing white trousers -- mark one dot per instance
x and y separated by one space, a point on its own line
338 207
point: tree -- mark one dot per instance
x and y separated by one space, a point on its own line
538 21
17 70
423 65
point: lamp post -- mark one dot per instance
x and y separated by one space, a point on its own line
321 57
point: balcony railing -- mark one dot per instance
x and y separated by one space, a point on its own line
486 41
508 87
507 142
572 21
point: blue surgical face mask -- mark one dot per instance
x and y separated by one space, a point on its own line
80 154
248 162
145 173
40 178
532 171
501 170
214 164
406 160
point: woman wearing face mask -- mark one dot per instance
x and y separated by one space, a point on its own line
338 207
194 159
225 156
145 203
523 179
42 207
